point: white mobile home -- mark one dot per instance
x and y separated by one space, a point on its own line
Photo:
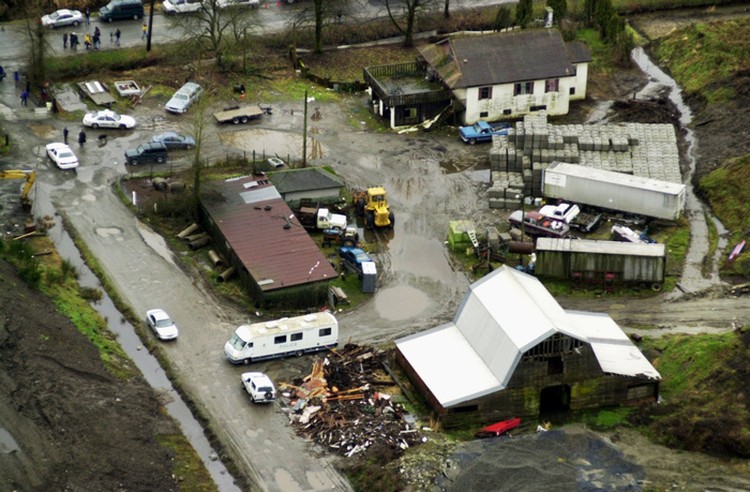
282 337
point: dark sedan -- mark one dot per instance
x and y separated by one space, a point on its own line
173 140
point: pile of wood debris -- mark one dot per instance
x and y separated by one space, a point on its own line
339 406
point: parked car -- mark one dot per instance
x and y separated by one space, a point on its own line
222 4
108 119
181 6
120 10
62 155
174 140
161 324
275 162
148 152
184 98
259 387
62 17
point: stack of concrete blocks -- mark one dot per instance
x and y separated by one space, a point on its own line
518 161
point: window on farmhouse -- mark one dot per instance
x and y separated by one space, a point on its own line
485 93
523 88
296 337
552 85
572 91
324 332
484 114
279 339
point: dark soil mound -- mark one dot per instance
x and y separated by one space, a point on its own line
65 422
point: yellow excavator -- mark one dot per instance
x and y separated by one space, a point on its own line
29 176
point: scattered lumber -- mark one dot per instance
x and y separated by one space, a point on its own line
338 406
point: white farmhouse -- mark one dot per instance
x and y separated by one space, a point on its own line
507 75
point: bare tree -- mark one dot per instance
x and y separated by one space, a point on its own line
199 127
318 15
404 13
37 45
209 27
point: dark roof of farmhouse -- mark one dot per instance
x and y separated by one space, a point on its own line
501 58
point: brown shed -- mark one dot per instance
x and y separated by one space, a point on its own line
260 236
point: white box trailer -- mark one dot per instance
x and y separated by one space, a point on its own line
282 337
614 191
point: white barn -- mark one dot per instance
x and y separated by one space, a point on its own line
512 350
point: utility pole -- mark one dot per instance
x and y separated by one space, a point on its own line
150 25
304 136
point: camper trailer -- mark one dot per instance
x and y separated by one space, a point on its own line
282 337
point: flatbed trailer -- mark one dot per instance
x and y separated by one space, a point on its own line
97 92
239 114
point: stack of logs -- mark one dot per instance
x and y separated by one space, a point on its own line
339 407
197 238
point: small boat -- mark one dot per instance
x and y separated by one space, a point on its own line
499 428
736 251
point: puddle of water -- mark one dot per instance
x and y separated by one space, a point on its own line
156 242
692 276
132 345
400 303
271 142
45 131
8 443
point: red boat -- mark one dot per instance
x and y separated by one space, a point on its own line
499 428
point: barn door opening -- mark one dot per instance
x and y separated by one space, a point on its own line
554 402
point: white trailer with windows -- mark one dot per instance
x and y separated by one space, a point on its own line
282 337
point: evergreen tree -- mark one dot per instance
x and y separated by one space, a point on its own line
524 12
559 9
503 18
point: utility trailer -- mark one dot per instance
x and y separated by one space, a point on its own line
240 114
97 92
614 191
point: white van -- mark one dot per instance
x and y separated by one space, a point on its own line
181 6
282 337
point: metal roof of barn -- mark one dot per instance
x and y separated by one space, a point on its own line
516 56
252 217
314 178
502 316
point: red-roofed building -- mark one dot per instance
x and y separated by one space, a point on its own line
259 235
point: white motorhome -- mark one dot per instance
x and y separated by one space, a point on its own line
282 337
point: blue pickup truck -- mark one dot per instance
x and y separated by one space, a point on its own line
482 131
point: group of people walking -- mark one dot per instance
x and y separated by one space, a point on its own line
91 42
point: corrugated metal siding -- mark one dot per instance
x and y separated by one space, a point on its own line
559 258
252 219
614 191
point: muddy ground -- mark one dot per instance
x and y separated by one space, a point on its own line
66 423
82 429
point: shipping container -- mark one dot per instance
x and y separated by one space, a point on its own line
614 191
583 259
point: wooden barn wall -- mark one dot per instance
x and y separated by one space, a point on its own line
589 388
413 376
